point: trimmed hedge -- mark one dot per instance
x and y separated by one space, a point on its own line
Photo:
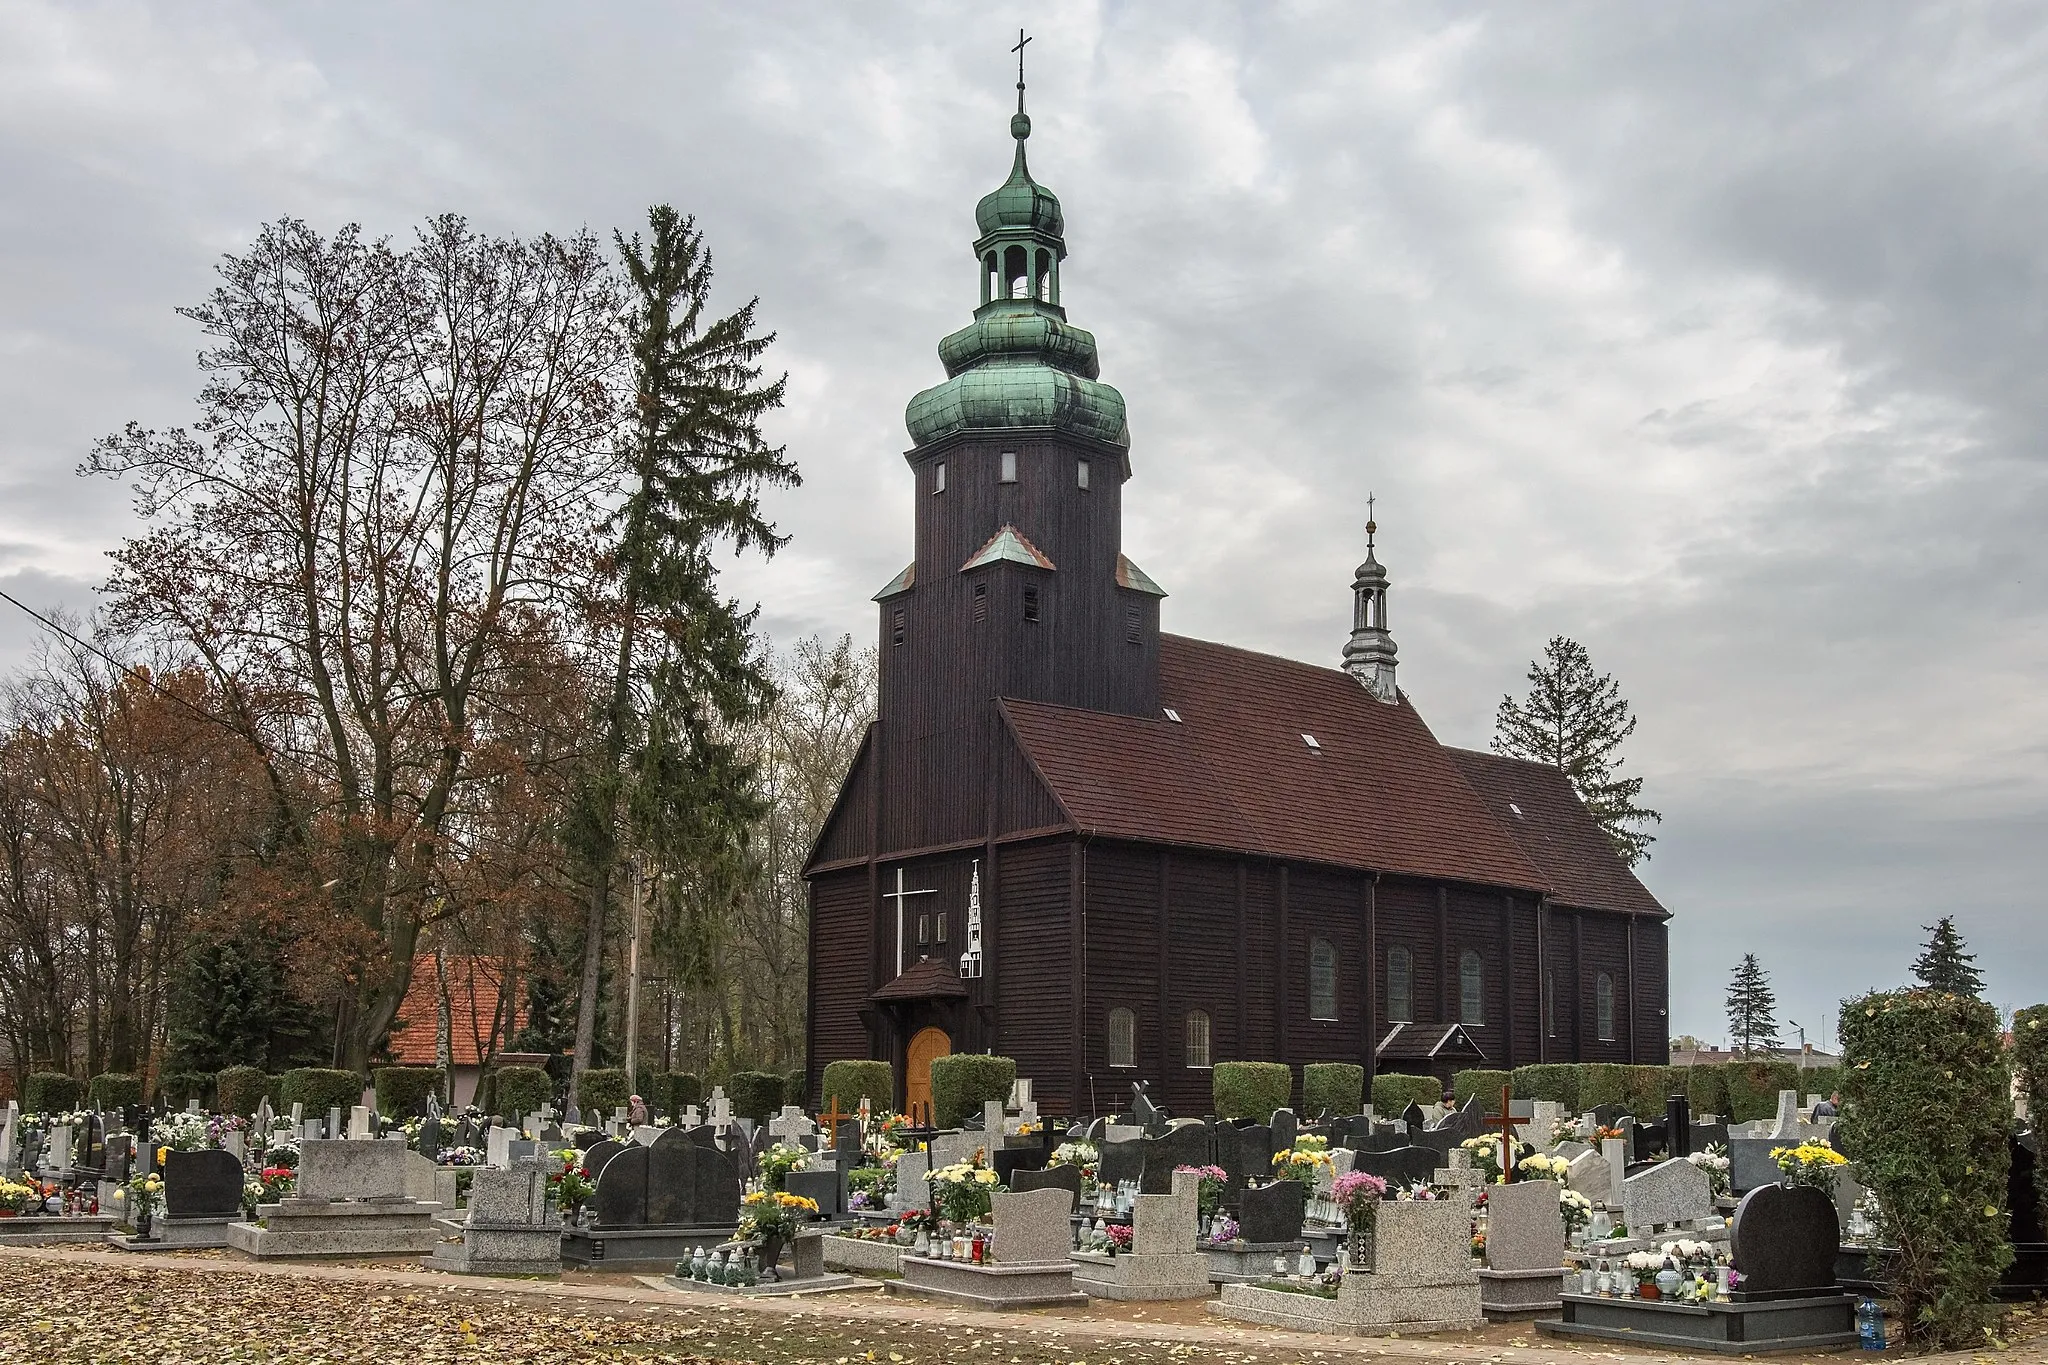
600 1092
965 1081
1332 1087
1483 1083
114 1090
1650 1088
851 1082
523 1089
401 1091
317 1089
1391 1094
182 1087
679 1090
1819 1080
240 1089
2030 1061
756 1095
1251 1090
1753 1088
1707 1088
1928 1109
1554 1081
1603 1083
51 1092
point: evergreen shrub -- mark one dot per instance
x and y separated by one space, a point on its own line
2030 1061
522 1089
1707 1088
600 1092
680 1090
402 1090
1483 1083
756 1095
317 1089
51 1092
1819 1080
1554 1081
1332 1087
1753 1087
180 1088
965 1081
851 1082
1251 1090
1605 1083
1650 1088
1928 1111
1392 1093
241 1089
114 1090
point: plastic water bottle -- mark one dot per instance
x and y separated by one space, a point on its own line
1870 1324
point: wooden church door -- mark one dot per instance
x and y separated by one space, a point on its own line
927 1046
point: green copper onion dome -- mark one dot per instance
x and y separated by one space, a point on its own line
1020 365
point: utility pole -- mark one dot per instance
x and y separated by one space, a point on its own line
633 989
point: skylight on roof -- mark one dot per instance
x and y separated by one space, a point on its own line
1172 714
1310 740
1515 808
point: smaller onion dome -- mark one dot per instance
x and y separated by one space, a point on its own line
1020 201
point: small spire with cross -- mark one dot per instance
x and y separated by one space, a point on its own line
1371 526
1020 126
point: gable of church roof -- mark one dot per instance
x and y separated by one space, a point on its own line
1536 805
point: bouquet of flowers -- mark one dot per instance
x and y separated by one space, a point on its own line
1812 1164
145 1196
1420 1192
1359 1194
281 1149
1644 1265
20 1197
571 1185
963 1189
1082 1154
869 1186
894 1129
460 1156
183 1132
1576 1208
1223 1231
1213 1180
1714 1161
778 1161
268 1186
1537 1166
766 1213
1301 1162
1485 1153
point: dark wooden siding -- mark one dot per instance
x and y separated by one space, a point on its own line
1407 919
1260 1041
849 832
1328 906
839 957
1031 969
1653 1002
1605 950
1202 974
1022 802
1475 926
1526 983
1122 910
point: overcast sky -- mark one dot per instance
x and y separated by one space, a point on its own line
1710 335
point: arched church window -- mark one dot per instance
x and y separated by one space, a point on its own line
1471 990
1123 1037
1198 1038
1400 986
1322 979
1603 1006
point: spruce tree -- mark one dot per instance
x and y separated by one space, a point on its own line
665 779
1752 1009
1943 965
1573 720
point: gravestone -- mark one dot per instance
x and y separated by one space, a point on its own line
1705 1135
1097 1131
1616 1152
1787 1124
1590 1175
599 1153
1286 1127
432 1135
497 1147
677 1182
791 1124
1245 1153
202 1184
1399 1167
951 1149
1066 1178
350 1200
1524 1250
1468 1122
1671 1192
823 1186
1148 1115
1163 1262
1750 1163
1272 1213
1785 1239
1186 1142
509 1230
1414 1118
1032 1228
912 1190
335 1168
1120 1162
359 1123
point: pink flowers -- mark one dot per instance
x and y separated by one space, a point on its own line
1356 1185
1119 1235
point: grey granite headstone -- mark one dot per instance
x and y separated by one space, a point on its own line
1272 1213
1785 1240
1524 1228
1673 1191
336 1168
1032 1228
912 1189
1750 1163
202 1184
510 1198
1590 1175
1787 1124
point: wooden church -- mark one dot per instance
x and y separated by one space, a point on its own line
1115 854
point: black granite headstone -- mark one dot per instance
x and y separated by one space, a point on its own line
601 1154
1678 1125
1095 1132
1785 1239
1705 1135
820 1185
1468 1122
1245 1152
1120 1161
202 1184
1009 1161
432 1135
620 1200
1412 1116
1286 1127
1401 1166
1050 1178
1272 1213
1149 1116
1185 1143
1646 1141
1606 1114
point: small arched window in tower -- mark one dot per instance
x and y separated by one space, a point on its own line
1006 467
1123 1037
897 624
981 601
1603 1006
1081 475
1322 979
1017 272
1198 1039
938 926
1031 606
1471 990
939 477
1041 283
1400 986
991 281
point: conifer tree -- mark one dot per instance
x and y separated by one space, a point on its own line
667 779
1943 965
1574 720
1752 1009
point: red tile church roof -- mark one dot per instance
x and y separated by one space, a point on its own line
1375 791
1535 803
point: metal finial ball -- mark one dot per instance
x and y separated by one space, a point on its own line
1020 126
1372 528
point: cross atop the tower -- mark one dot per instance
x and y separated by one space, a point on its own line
1370 525
1019 50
